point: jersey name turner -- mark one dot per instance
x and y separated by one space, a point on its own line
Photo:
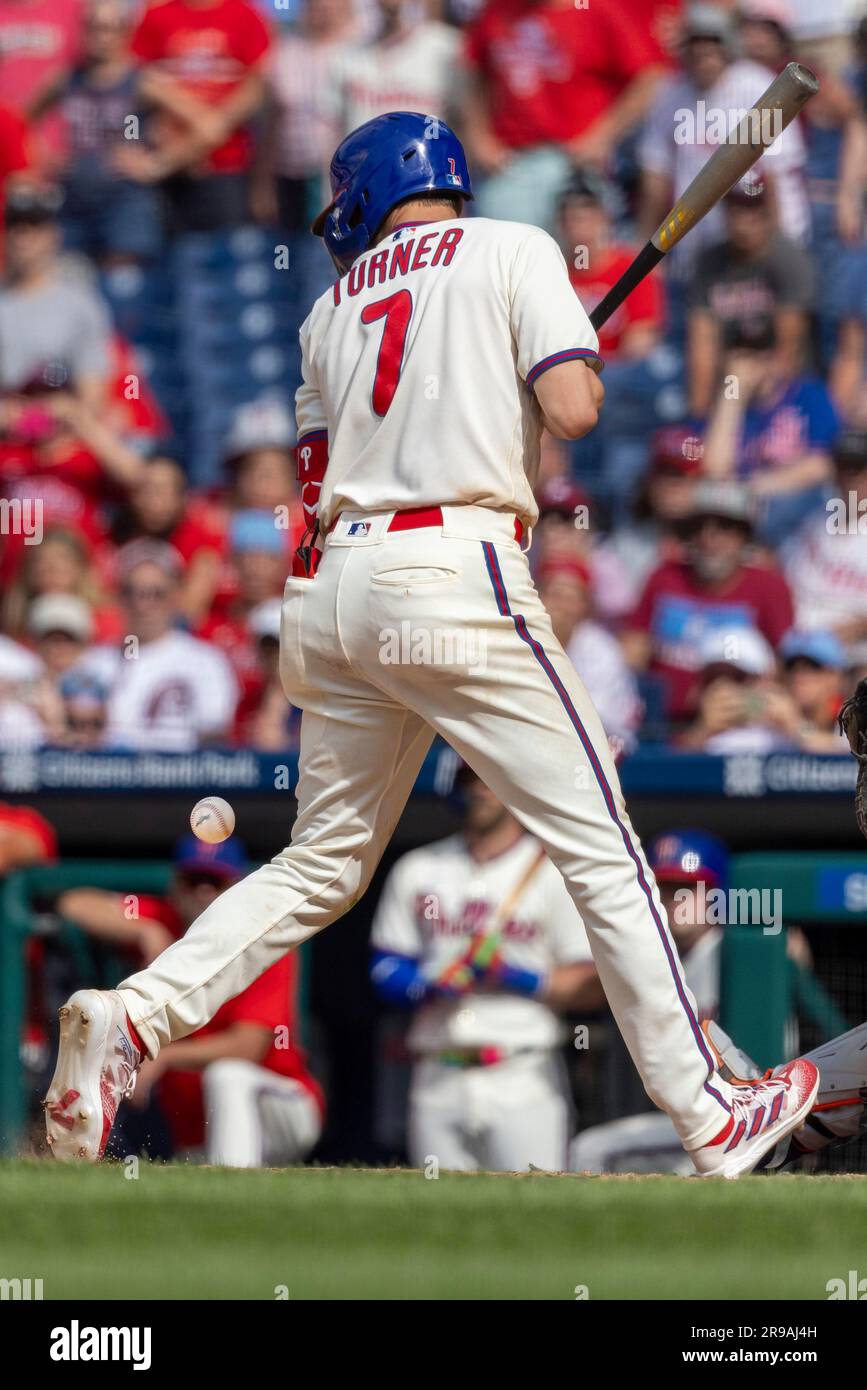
418 367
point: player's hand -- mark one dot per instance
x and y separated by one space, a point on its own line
455 980
483 956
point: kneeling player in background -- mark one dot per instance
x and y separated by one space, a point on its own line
238 1090
478 933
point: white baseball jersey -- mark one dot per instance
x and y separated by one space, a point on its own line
174 692
436 897
419 366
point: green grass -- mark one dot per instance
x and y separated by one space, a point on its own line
177 1232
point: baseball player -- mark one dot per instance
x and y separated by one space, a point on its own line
478 935
429 371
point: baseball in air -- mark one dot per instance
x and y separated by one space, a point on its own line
212 820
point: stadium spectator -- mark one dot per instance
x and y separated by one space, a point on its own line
168 690
14 156
257 555
298 139
772 429
756 280
237 1091
111 219
26 838
826 561
596 260
764 32
265 720
20 674
550 85
657 529
692 112
47 314
203 78
814 666
260 470
741 705
84 717
477 936
61 564
161 507
409 64
39 39
567 529
565 587
713 586
60 627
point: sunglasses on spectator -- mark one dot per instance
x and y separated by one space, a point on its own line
85 723
152 593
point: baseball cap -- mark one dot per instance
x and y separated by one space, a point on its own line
675 448
32 203
83 688
689 856
766 12
707 22
227 860
561 497
729 500
570 565
748 192
149 552
743 648
850 450
54 375
253 530
262 424
60 613
820 646
591 186
264 619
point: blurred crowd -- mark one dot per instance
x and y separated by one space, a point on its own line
703 553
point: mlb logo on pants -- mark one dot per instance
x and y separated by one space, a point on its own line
358 528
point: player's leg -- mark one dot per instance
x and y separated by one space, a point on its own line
523 721
636 1144
437 1119
255 1117
529 1114
358 763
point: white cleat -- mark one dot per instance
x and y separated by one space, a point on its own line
96 1069
763 1113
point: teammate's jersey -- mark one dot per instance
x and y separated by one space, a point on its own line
418 367
436 897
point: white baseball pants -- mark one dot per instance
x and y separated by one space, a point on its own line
499 1118
400 635
255 1117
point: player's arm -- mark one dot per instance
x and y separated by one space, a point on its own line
105 915
574 988
570 397
557 348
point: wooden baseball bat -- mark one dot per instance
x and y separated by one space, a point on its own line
787 95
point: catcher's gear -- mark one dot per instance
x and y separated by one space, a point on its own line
853 723
377 166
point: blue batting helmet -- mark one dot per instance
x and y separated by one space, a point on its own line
689 856
380 164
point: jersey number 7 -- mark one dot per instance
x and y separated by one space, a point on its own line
396 310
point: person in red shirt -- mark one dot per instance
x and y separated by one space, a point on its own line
26 838
14 156
714 586
204 79
239 1088
596 263
550 83
38 40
